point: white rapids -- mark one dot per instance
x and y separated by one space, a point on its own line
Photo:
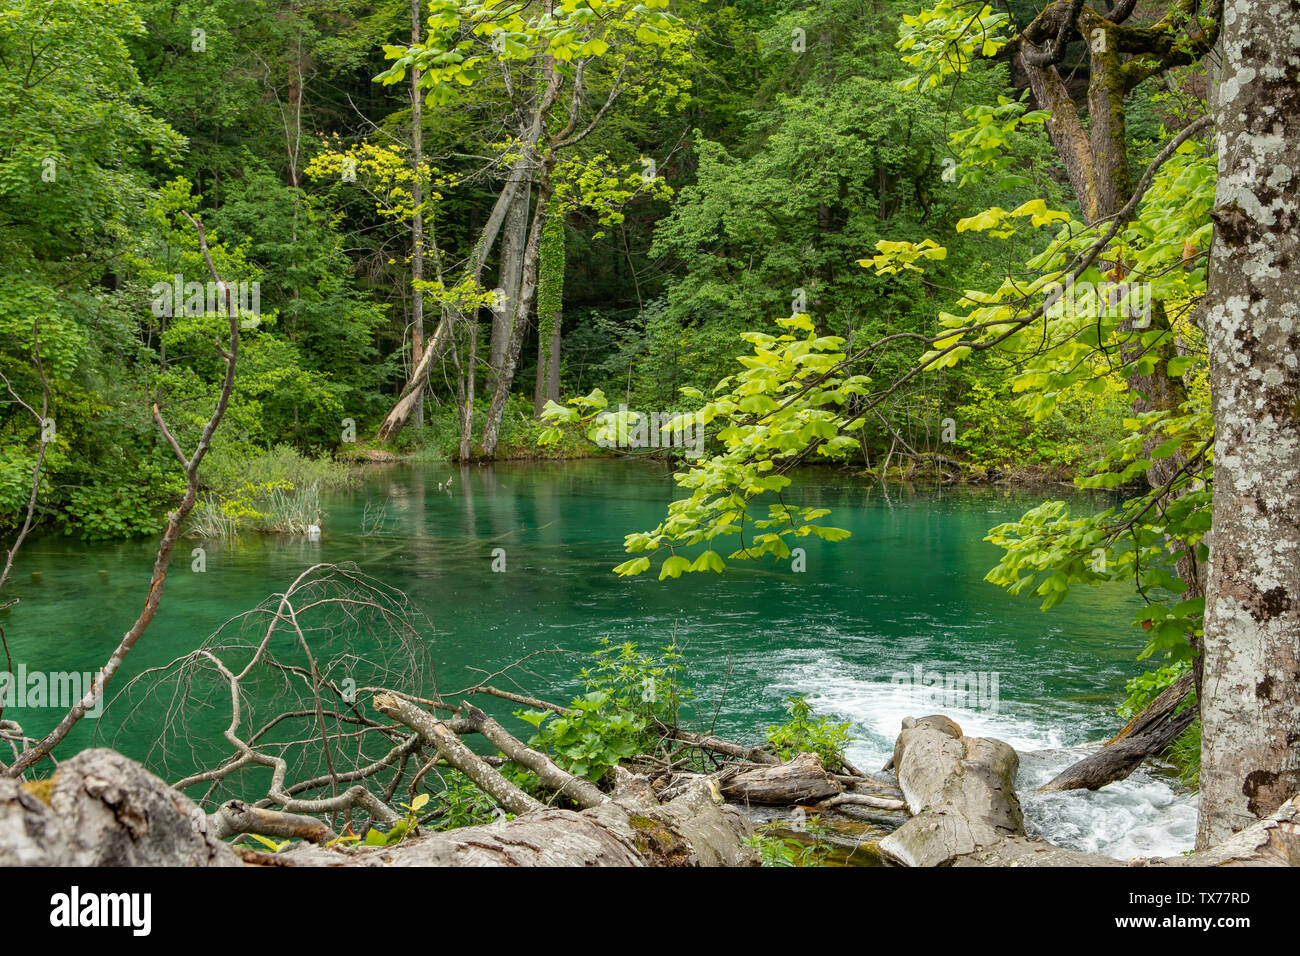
1148 814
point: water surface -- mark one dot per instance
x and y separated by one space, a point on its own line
905 591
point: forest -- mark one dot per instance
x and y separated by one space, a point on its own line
650 432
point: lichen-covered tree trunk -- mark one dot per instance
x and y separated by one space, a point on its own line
1250 760
514 242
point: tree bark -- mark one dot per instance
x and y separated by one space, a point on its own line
1250 761
801 780
514 243
547 386
101 809
521 309
417 218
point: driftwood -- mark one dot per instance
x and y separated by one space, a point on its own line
1148 734
862 800
582 792
717 745
961 792
235 817
798 781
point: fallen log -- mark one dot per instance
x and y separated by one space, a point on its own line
436 733
102 809
861 799
1148 734
717 745
798 781
236 817
582 792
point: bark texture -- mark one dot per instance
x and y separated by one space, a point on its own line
101 809
1251 707
801 780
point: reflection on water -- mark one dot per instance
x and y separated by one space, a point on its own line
906 591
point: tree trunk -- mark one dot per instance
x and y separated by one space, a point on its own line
417 218
514 244
519 314
1149 733
801 780
402 409
102 809
1250 759
547 387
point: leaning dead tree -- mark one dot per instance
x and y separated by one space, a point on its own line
34 752
1149 733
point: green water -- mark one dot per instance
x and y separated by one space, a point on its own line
905 590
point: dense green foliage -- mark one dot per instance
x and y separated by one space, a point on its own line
776 162
856 197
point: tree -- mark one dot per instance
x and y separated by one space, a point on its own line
1250 710
798 393
555 50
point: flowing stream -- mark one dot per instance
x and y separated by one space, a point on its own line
864 630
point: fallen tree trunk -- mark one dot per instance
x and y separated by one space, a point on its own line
719 746
1146 735
101 809
798 781
629 829
961 792
582 792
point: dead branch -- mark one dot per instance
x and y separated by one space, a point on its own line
175 520
436 733
237 817
582 792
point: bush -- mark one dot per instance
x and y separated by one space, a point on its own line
626 694
230 468
806 732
